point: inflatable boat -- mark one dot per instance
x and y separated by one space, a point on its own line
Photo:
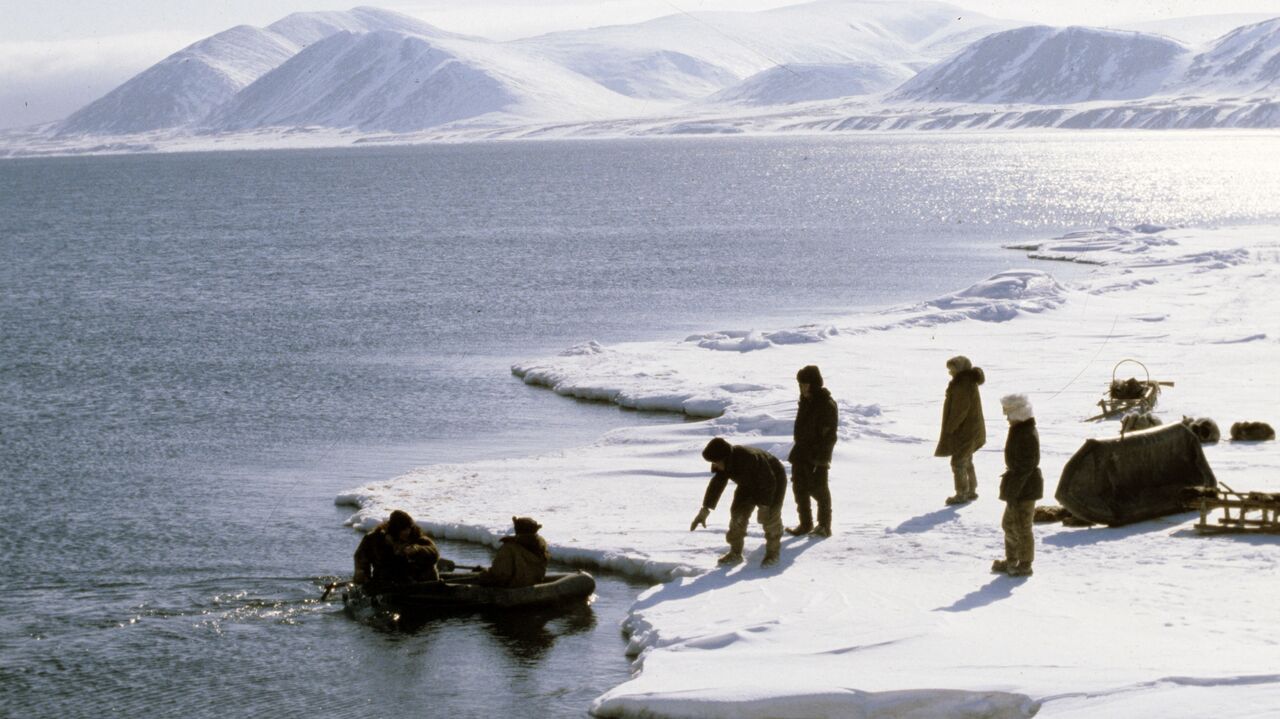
456 592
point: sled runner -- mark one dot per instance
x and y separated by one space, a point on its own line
1252 512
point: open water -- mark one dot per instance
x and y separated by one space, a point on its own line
198 351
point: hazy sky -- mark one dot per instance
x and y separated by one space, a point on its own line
58 55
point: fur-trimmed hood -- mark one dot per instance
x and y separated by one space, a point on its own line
532 542
1017 407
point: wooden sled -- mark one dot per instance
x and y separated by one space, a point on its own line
1126 395
1247 512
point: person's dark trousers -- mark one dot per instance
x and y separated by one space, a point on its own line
808 481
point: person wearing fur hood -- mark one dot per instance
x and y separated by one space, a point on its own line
964 429
1020 486
396 551
522 559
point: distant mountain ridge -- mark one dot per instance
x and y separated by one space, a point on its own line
183 88
1049 65
1245 59
849 64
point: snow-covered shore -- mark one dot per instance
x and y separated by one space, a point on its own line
897 615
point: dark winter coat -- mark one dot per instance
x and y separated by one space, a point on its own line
760 477
521 561
381 558
815 432
964 430
1022 479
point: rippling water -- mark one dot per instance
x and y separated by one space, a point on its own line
199 351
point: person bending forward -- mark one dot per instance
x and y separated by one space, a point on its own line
762 485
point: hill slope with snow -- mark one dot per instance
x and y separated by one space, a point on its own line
397 82
830 65
305 28
688 56
1046 65
184 87
1246 59
807 82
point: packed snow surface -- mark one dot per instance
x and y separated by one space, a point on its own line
897 615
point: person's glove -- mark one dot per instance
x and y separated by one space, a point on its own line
700 519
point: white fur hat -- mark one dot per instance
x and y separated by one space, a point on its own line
1017 407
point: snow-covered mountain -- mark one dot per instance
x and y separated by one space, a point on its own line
1246 59
1196 30
392 81
688 56
804 82
1048 65
305 28
184 87
824 65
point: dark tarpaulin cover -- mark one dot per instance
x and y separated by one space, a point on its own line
1140 476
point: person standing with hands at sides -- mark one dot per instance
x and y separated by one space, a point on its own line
762 485
1020 486
815 437
964 429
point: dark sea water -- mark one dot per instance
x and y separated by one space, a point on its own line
199 351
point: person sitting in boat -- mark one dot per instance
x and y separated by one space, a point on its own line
396 551
521 561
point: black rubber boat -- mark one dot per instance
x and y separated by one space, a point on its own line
455 594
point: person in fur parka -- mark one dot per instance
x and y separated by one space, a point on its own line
1020 486
396 551
817 419
761 488
964 429
522 559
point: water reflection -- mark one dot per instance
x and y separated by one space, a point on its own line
526 634
538 662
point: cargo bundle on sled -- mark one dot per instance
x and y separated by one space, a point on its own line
1129 394
1139 476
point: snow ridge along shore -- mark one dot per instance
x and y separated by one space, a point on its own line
897 615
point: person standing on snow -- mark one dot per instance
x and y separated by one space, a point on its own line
762 485
1020 486
964 429
815 436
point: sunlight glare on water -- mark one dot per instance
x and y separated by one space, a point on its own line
199 351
